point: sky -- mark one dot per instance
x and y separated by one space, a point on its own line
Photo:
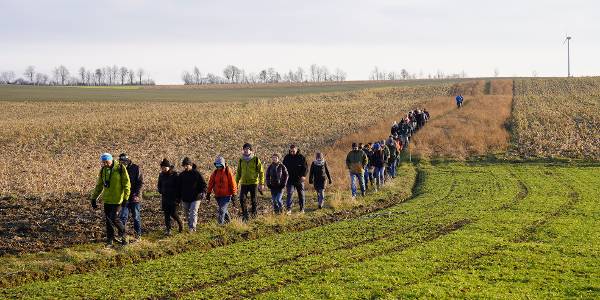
516 38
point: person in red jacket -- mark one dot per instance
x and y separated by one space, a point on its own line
222 184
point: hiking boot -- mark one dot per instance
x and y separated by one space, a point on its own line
168 232
109 244
124 241
362 194
320 206
302 211
288 212
137 238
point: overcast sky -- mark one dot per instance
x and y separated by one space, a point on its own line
168 37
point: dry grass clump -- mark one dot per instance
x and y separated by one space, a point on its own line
558 118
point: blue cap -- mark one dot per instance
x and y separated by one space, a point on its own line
106 157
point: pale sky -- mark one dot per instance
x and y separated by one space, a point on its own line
168 37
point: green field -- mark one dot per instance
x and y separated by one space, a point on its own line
475 230
189 93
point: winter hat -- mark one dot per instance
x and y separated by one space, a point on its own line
376 146
123 157
247 146
186 161
276 154
106 157
220 162
319 155
354 145
165 163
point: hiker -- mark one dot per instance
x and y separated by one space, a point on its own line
113 183
459 100
250 177
319 172
192 188
168 188
222 184
393 156
277 179
404 132
394 129
132 206
420 119
356 161
297 168
369 169
378 163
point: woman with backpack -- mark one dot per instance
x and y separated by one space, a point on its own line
276 179
319 172
222 184
379 164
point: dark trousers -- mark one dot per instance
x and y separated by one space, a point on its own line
244 190
299 187
170 212
112 220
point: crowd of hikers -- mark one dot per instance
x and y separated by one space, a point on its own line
120 182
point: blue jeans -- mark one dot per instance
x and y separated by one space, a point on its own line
368 176
361 180
320 197
191 213
392 168
223 215
379 176
276 196
133 209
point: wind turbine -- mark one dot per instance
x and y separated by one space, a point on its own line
568 41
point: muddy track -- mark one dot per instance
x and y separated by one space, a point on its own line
520 196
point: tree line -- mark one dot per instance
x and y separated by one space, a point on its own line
105 76
380 74
234 74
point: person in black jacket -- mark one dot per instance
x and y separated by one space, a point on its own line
192 188
170 199
319 172
133 205
297 168
276 178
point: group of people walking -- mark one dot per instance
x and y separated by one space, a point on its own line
120 181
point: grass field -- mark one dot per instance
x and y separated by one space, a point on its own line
471 230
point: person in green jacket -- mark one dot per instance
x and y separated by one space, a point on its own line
113 183
356 161
250 176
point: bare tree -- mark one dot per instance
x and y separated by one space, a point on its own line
89 77
99 76
41 79
141 74
404 74
131 76
82 73
314 72
340 75
63 74
197 75
7 77
187 78
300 74
114 72
123 74
30 73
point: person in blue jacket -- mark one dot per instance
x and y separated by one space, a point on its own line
459 100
